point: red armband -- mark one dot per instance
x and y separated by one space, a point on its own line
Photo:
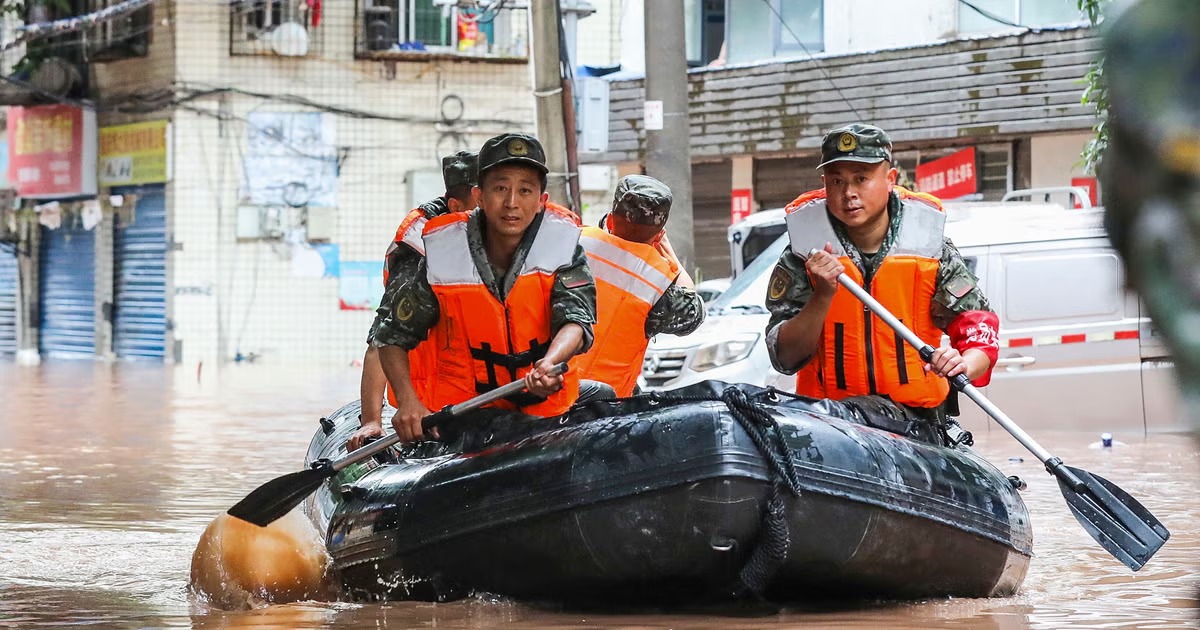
979 330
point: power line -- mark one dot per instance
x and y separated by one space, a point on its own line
991 16
820 67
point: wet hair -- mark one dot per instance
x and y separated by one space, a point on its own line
541 175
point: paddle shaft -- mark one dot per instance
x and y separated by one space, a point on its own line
960 382
485 398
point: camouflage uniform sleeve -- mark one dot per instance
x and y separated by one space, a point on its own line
413 311
573 298
679 311
787 292
957 288
402 264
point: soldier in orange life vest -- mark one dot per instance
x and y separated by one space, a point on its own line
503 293
641 290
890 241
459 172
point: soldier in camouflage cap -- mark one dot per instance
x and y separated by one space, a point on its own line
864 225
1151 169
642 200
491 245
630 250
460 173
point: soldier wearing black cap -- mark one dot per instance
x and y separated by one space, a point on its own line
504 289
459 173
641 289
890 241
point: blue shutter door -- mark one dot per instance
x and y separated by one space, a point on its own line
68 285
8 300
140 302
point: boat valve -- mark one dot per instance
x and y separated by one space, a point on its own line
1017 482
327 425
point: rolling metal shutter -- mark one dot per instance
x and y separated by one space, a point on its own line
711 183
8 300
777 182
140 257
68 302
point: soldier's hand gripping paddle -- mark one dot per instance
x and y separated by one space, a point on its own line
1114 519
275 498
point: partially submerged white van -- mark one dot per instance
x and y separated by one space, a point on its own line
1077 350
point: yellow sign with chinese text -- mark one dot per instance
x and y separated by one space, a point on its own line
134 154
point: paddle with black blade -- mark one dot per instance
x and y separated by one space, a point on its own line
275 498
1116 520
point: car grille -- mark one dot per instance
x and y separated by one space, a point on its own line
663 365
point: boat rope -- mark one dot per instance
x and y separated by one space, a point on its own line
771 549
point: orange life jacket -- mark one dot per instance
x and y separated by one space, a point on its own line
630 279
858 353
420 358
482 343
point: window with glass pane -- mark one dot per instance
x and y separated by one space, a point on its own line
692 16
972 21
429 26
1049 12
749 31
1032 13
802 19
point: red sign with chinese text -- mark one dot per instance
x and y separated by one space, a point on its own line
741 200
52 151
1090 185
949 177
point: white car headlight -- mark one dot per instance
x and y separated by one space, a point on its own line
714 355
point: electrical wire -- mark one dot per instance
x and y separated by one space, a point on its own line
784 24
991 16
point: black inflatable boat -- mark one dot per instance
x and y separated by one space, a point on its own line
702 493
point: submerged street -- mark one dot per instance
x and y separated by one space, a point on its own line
109 473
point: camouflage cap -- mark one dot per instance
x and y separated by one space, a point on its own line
512 148
856 143
460 169
642 200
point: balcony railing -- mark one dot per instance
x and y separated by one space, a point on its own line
274 27
418 29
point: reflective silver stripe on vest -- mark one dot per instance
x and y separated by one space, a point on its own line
921 231
638 270
808 229
553 246
412 236
623 280
448 258
922 227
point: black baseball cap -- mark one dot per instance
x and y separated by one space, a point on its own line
513 148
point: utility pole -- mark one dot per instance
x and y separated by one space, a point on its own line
547 90
669 149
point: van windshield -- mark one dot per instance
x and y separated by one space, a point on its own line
748 292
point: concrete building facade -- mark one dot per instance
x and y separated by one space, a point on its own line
299 134
1000 91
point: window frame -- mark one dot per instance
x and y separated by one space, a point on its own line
405 23
778 48
244 37
1019 18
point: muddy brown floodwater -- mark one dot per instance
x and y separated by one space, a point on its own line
108 474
